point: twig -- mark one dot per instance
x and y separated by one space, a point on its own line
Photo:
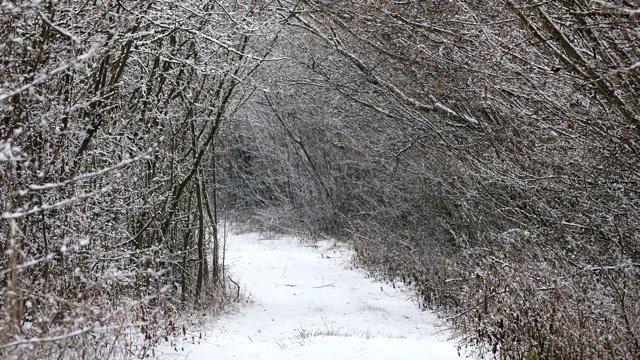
321 286
238 286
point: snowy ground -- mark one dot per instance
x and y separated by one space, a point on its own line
308 304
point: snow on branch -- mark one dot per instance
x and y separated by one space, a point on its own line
377 81
59 204
612 6
146 155
26 265
62 31
44 77
47 339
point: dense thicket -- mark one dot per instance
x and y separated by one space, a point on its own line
110 115
484 151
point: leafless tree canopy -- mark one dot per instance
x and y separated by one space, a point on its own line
485 152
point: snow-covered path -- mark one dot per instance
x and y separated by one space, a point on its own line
308 304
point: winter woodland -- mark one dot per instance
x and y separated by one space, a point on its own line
484 153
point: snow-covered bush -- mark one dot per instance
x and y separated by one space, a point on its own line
110 111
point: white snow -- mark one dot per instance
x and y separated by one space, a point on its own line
309 304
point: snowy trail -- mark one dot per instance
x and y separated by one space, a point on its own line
307 304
